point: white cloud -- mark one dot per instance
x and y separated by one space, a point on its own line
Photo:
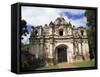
79 22
41 16
38 16
25 39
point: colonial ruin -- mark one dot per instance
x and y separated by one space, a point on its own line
60 42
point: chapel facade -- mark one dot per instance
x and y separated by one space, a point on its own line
60 42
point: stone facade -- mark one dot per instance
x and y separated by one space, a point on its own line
60 42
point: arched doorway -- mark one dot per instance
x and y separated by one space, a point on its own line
61 52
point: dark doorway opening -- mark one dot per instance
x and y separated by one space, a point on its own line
62 54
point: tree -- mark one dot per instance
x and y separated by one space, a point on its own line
24 28
24 47
91 16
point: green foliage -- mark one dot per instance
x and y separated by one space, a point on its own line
24 47
91 41
29 61
23 22
90 14
91 33
24 28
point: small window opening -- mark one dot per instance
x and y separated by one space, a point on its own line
82 32
61 32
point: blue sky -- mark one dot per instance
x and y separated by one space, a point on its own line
29 28
74 16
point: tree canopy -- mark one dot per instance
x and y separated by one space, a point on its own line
24 28
90 14
91 19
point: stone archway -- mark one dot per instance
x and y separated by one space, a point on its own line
61 53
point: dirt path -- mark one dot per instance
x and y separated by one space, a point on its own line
65 65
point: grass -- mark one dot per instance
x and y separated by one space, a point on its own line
85 64
77 64
48 67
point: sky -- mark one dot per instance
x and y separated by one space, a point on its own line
35 16
40 16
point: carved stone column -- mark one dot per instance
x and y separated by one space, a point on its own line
51 56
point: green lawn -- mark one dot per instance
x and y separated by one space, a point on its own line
85 64
49 67
77 64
